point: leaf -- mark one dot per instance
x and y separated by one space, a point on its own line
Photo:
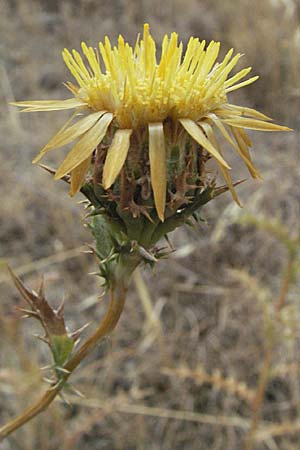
102 232
51 320
61 347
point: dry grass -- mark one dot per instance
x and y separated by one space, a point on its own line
182 367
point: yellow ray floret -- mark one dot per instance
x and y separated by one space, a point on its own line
69 134
116 157
126 89
157 157
225 172
78 175
85 146
50 105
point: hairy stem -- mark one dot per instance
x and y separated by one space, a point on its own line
117 299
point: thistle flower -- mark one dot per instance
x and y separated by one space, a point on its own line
145 129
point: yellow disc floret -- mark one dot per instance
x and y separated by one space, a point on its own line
138 90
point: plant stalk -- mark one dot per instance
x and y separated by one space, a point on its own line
118 293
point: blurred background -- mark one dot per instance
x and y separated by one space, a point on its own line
183 366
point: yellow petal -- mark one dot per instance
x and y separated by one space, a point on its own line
227 178
237 77
49 105
243 110
252 124
245 137
66 135
116 157
244 150
240 85
241 148
225 172
157 156
74 68
78 175
219 81
85 146
240 139
63 128
91 56
197 134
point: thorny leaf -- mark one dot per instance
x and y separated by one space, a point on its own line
52 320
57 337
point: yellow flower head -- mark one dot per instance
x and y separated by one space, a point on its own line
126 100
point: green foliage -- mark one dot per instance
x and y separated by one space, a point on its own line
61 347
